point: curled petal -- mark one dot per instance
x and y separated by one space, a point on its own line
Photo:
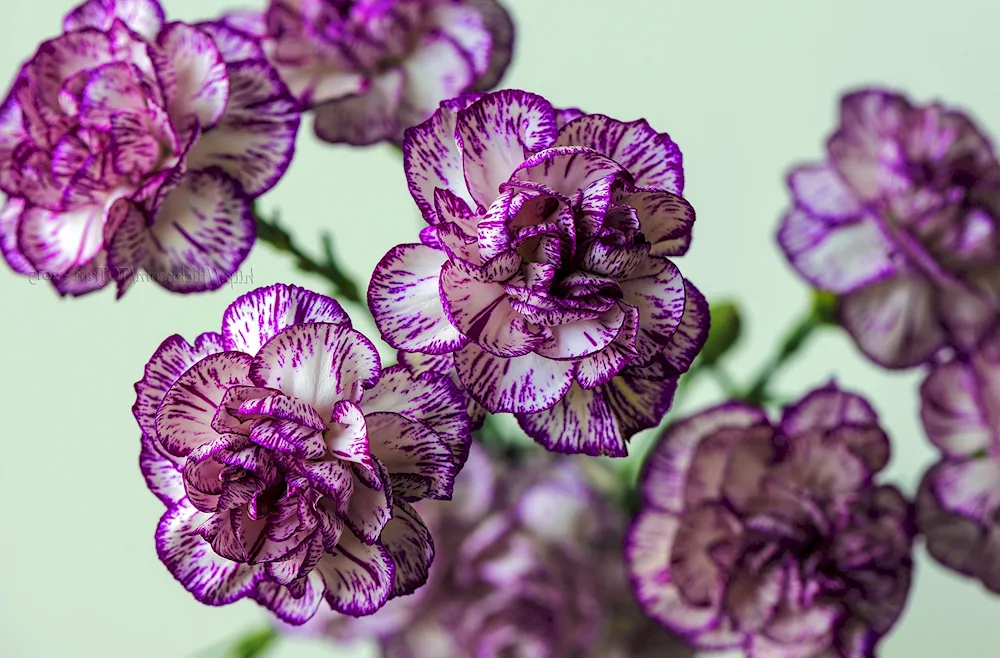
10 219
193 74
364 118
359 577
521 384
295 610
144 17
420 463
410 547
952 410
581 422
821 192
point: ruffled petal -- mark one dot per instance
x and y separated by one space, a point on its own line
652 158
258 316
580 423
171 359
364 118
952 412
521 384
428 396
184 418
437 69
405 300
894 321
359 578
657 290
10 220
496 133
161 472
192 73
410 547
212 579
144 17
235 45
57 242
665 219
294 610
497 20
321 364
954 540
254 140
840 257
692 332
420 463
820 191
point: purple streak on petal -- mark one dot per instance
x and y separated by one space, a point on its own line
10 219
516 385
358 577
193 74
410 547
364 118
580 423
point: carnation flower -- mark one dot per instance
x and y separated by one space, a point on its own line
370 69
901 221
128 143
546 267
958 503
774 538
288 457
528 564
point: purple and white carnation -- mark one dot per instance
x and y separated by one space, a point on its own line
958 503
370 69
128 143
545 270
528 564
774 539
900 221
287 458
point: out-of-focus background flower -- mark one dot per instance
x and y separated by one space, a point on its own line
746 90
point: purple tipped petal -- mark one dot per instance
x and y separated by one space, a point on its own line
425 395
437 68
255 139
258 316
841 257
184 418
295 610
144 17
364 118
665 219
419 461
162 473
368 511
657 290
405 300
235 45
952 411
652 158
212 579
321 364
10 220
193 74
201 233
172 359
523 384
692 332
497 20
820 191
358 577
410 547
893 321
496 132
57 242
952 539
580 423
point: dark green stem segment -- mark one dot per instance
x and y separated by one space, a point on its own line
271 232
821 313
255 644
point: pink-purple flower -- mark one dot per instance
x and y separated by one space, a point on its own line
370 69
528 564
958 503
545 270
287 458
774 538
128 143
900 220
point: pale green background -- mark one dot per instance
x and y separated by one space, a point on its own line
745 88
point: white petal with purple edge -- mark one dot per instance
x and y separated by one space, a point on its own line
184 418
410 547
653 159
582 338
254 140
482 312
144 17
10 219
820 191
364 118
841 257
212 579
234 44
292 610
192 73
358 578
56 242
463 24
321 364
894 321
567 172
405 300
692 332
128 248
523 384
202 231
498 21
951 413
368 510
580 423
656 288
170 360
420 463
665 219
162 473
258 316
496 133
437 69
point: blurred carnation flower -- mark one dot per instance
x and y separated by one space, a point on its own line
127 143
370 69
774 539
288 458
958 503
528 564
545 273
901 221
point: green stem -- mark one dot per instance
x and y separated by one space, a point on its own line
821 313
271 232
255 644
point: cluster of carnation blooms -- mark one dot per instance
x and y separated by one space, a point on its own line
356 499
